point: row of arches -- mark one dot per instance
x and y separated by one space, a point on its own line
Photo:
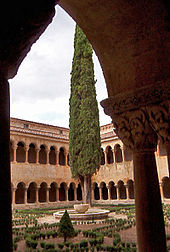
115 155
43 155
34 194
22 153
111 191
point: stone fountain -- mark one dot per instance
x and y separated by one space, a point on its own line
82 212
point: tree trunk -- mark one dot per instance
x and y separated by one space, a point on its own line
87 190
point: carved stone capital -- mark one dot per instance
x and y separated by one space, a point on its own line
134 130
144 96
160 120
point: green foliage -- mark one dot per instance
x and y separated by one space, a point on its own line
84 134
65 227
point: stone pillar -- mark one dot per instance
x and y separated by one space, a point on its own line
105 156
5 174
114 156
36 195
66 153
133 126
13 195
26 153
123 154
47 153
47 194
159 118
109 195
37 155
136 133
117 192
127 192
161 191
25 196
15 152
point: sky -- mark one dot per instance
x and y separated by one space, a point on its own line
41 89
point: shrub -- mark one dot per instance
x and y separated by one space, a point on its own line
42 244
49 246
83 244
60 245
65 227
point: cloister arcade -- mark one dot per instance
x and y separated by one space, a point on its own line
113 182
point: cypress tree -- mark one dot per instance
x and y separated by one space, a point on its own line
65 228
84 134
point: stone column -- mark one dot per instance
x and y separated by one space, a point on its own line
159 119
100 193
133 126
5 174
161 191
37 155
47 153
127 192
13 195
57 157
105 156
26 153
136 133
114 156
36 195
123 154
109 196
75 193
117 192
15 152
25 196
47 194
66 153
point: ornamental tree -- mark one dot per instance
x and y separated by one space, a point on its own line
84 134
65 228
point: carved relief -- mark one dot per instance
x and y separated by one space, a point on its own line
159 119
134 130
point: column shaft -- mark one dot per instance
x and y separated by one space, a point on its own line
149 214
5 175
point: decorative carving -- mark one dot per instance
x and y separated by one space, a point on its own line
159 119
134 130
144 96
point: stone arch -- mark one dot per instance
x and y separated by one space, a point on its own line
20 153
62 191
104 191
102 157
20 193
11 152
109 152
127 154
122 190
52 155
31 192
79 192
166 187
96 191
53 192
71 190
113 191
130 185
62 156
42 192
32 153
118 154
42 155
